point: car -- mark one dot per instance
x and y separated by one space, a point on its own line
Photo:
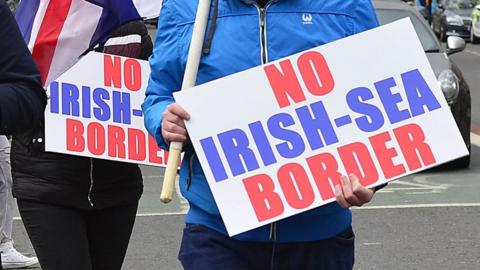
453 18
449 76
475 31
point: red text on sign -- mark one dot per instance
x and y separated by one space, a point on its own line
99 140
295 187
119 72
314 71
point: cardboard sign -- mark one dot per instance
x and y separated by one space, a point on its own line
274 140
148 9
94 110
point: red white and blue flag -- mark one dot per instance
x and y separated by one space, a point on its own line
58 32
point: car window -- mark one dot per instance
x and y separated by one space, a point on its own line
461 4
426 36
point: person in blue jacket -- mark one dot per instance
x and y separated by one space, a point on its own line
243 34
429 5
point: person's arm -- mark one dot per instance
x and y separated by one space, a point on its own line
166 76
22 97
364 16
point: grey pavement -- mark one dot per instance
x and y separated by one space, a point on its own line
440 230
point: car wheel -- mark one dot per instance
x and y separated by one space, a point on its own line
474 39
464 162
461 163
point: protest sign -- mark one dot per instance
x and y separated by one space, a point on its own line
274 140
148 9
94 110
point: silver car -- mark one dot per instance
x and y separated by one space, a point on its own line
449 76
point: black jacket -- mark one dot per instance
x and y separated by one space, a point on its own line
22 98
79 182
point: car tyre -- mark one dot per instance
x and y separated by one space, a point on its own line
474 39
462 163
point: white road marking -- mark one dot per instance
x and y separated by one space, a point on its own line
423 193
406 206
372 244
378 207
399 182
144 214
409 188
159 177
162 214
421 185
473 52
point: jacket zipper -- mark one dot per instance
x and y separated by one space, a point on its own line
263 31
89 197
264 55
263 40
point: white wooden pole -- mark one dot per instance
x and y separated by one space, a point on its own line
189 79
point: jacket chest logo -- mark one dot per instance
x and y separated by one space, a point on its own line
307 18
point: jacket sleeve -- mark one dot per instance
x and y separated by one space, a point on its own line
22 97
365 17
166 73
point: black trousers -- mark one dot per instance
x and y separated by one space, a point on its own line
203 248
70 239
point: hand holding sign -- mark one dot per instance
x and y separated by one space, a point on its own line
173 125
351 193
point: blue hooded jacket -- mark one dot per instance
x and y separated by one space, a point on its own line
290 26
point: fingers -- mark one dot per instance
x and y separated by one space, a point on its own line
172 118
363 194
172 132
340 197
173 125
173 137
177 110
350 192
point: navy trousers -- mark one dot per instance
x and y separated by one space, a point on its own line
203 248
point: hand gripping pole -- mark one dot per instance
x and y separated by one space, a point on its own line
189 79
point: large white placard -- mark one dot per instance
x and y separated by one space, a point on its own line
274 140
94 110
